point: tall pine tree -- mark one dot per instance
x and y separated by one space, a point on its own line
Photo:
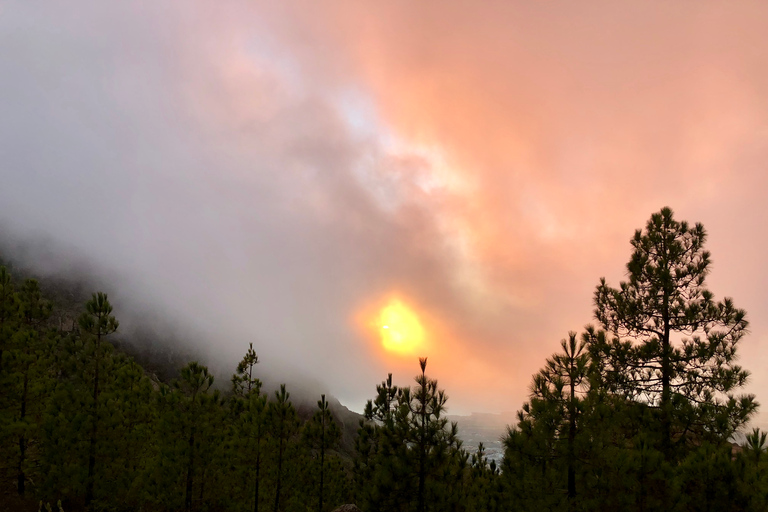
321 433
249 407
97 322
675 346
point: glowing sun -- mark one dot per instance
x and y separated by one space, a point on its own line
401 330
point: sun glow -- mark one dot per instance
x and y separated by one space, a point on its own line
400 329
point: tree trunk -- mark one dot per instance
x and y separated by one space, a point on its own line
322 463
21 477
571 441
190 472
94 425
279 471
2 333
258 467
666 395
422 440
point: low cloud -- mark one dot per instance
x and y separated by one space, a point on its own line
260 173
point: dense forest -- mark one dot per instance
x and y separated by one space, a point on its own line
639 412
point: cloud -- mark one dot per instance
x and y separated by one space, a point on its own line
208 180
264 172
566 126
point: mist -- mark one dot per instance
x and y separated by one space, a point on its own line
260 174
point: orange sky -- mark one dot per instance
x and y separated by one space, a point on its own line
305 162
559 129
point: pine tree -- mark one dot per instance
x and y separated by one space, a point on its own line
8 310
548 426
322 433
125 436
563 380
753 484
244 382
675 346
98 322
408 454
284 424
483 492
250 408
30 351
195 408
708 478
426 404
756 446
380 462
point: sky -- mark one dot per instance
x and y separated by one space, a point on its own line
282 173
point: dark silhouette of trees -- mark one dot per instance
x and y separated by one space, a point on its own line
638 415
409 453
549 425
674 346
97 322
126 434
380 463
284 424
321 433
197 408
8 310
563 381
244 382
426 428
29 352
250 411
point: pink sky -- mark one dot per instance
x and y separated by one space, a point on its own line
274 169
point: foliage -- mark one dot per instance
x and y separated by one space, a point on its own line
674 345
636 414
409 458
321 433
639 416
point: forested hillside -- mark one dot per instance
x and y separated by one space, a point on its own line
638 412
84 424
